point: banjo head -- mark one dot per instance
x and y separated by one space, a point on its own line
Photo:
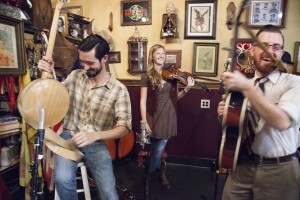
47 94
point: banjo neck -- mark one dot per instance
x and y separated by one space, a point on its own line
52 36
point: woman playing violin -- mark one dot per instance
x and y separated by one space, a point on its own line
158 106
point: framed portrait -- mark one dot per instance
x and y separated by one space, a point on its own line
136 12
12 59
173 58
263 12
75 10
243 60
200 19
62 24
114 57
76 26
296 69
205 59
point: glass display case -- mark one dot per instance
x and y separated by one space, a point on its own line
137 53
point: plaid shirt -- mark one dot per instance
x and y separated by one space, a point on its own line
97 108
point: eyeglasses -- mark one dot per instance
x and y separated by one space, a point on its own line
275 47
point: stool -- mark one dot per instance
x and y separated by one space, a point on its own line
84 178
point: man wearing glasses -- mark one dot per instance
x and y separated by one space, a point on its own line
269 168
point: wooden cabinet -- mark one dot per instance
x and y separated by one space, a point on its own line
137 54
10 174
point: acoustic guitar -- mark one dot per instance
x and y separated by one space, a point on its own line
233 122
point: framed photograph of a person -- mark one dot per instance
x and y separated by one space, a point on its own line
263 12
12 59
114 57
200 19
136 12
205 62
173 58
62 24
296 66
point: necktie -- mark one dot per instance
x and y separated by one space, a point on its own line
261 83
253 118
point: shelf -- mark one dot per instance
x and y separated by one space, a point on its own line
10 134
14 162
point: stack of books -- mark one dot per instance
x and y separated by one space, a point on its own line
9 124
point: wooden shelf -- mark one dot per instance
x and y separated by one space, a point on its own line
10 134
14 162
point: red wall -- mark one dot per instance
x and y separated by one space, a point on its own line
198 128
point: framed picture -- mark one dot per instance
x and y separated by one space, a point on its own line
136 12
296 69
205 62
173 58
262 12
75 10
114 57
62 25
200 19
76 26
12 59
243 60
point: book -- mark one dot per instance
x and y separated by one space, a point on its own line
8 120
10 126
9 131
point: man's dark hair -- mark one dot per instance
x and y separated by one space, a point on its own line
272 29
96 41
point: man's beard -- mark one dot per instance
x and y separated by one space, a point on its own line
93 73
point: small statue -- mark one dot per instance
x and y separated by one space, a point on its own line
169 26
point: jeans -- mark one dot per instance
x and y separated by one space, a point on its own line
157 149
98 160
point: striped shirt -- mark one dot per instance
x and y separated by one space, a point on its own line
96 108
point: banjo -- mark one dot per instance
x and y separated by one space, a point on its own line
52 96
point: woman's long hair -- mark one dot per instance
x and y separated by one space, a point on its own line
154 77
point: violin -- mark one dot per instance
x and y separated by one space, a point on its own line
174 73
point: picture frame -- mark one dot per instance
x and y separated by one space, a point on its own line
76 26
205 59
114 57
136 12
296 67
243 60
263 12
11 46
75 10
200 19
173 58
63 25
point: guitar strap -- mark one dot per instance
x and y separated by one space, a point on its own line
60 146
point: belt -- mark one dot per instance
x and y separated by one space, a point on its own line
260 160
